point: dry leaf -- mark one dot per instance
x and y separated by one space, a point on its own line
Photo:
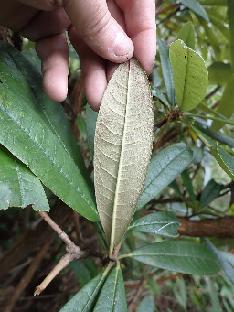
122 148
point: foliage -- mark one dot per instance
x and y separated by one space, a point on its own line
189 177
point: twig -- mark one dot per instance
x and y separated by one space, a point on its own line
137 296
26 279
73 252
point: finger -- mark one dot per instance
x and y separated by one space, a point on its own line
93 71
40 28
118 16
100 31
140 25
53 52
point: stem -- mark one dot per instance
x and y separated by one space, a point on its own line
225 121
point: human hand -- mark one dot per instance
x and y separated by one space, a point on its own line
103 32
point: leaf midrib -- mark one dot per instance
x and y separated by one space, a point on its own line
114 212
54 164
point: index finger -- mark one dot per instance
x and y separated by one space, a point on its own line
141 28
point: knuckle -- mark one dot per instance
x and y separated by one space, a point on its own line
99 24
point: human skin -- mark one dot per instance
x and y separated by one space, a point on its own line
103 32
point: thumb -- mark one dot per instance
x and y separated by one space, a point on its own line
101 32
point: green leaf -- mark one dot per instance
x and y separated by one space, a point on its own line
18 186
167 71
112 297
122 148
188 35
179 256
231 31
195 6
146 305
225 107
87 296
226 260
213 2
217 136
211 191
219 72
32 129
90 121
162 223
187 181
190 75
225 160
163 169
180 292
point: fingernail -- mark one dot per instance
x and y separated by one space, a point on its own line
122 46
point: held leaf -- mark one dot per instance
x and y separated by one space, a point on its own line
122 148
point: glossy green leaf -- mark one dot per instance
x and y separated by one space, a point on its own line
34 130
225 160
188 35
18 186
146 305
122 148
219 72
90 121
195 6
162 223
85 300
179 256
217 136
211 191
225 107
163 169
190 75
112 296
167 71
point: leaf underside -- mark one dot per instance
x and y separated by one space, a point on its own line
122 148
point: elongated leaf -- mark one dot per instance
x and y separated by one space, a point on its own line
217 136
86 297
225 160
231 30
122 148
112 297
180 256
225 108
167 71
219 72
164 168
188 35
162 223
210 192
190 75
146 305
18 186
31 133
226 260
90 120
195 6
